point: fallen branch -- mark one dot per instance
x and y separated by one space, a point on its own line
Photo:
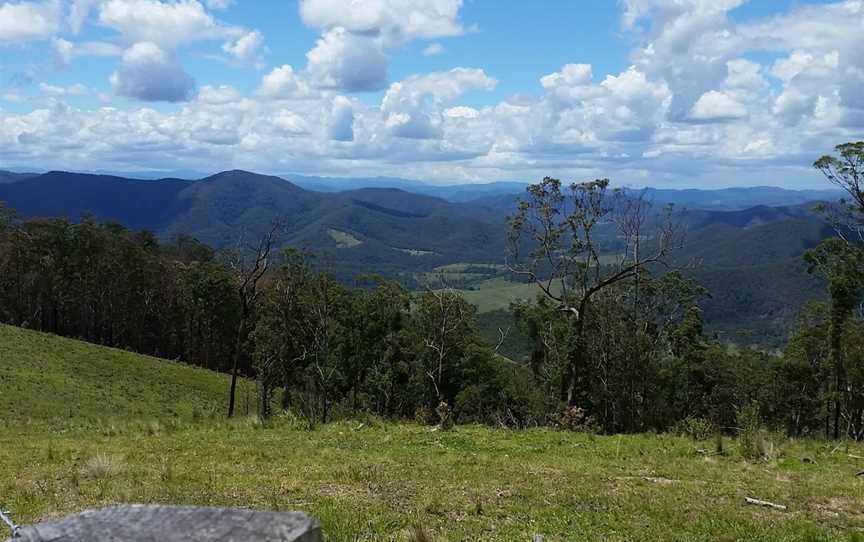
767 504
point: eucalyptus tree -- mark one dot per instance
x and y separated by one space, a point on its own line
581 240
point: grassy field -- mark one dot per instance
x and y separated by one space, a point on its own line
498 293
378 481
44 377
134 437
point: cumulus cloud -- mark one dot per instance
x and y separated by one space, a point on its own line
223 94
148 73
340 125
352 54
412 108
397 20
25 21
716 106
346 61
282 82
165 23
248 48
706 87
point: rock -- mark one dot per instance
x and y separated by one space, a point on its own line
143 523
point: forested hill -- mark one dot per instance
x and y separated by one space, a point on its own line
749 258
383 229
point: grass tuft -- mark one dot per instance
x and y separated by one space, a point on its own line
102 467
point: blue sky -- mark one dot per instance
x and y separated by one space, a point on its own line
678 93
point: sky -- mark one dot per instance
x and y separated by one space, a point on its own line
666 93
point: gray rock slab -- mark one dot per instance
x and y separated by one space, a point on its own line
145 523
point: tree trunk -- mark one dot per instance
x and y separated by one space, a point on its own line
236 365
577 364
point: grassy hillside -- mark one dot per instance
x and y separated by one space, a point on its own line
45 378
377 481
380 481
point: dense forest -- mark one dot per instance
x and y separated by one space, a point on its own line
617 343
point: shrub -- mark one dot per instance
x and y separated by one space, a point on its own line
695 428
445 415
575 419
423 415
751 443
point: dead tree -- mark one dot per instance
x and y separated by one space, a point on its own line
249 265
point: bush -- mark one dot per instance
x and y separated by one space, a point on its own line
445 415
695 428
575 419
423 415
751 443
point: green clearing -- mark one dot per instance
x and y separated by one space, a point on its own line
343 239
498 293
134 437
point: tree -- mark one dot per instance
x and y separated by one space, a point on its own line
841 264
445 323
847 171
371 320
583 240
249 265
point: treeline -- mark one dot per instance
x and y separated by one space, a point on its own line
617 342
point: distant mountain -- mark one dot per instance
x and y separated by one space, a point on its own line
732 199
14 177
454 192
353 232
137 204
726 199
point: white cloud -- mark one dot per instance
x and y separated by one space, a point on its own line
223 94
413 108
340 126
57 91
148 73
248 48
352 54
163 23
283 83
66 50
715 106
434 49
708 92
346 61
461 112
569 76
395 19
742 73
79 11
25 21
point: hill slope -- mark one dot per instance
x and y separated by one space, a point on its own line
44 377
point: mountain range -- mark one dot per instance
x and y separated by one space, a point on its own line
747 242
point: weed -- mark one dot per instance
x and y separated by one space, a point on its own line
102 466
419 534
